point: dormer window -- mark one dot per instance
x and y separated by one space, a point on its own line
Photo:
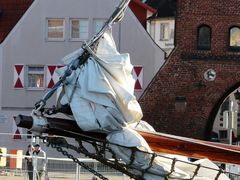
234 38
204 38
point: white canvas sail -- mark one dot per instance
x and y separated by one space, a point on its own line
100 94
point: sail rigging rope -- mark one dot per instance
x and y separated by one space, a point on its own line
101 148
116 16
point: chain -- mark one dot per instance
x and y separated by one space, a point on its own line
70 156
58 143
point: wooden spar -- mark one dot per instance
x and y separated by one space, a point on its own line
159 142
164 143
60 127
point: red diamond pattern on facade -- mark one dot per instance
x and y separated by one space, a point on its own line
17 134
18 75
138 76
52 77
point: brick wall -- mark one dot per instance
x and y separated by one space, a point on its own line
182 76
11 12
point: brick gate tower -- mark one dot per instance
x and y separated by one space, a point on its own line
203 69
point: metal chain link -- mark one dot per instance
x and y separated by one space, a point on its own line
70 156
124 168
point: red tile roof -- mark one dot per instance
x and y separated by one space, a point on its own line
141 11
145 6
10 13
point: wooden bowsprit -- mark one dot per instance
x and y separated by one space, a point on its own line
165 143
159 142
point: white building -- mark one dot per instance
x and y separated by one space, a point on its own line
47 32
162 31
161 26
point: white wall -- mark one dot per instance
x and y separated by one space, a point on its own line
154 30
26 44
1 62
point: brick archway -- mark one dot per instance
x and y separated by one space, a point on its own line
180 100
215 109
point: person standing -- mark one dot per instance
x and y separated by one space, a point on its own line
1 159
0 154
28 158
39 162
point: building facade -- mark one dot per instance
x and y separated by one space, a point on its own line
47 32
162 31
202 71
161 25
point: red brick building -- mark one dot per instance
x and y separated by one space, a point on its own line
10 13
203 69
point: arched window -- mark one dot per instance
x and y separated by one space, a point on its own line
204 38
234 38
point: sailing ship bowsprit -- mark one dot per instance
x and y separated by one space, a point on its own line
96 97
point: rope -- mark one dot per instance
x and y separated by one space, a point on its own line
219 173
151 162
196 171
132 157
74 88
174 160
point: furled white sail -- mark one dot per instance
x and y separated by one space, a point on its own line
100 94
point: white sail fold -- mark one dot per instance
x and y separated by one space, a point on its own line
100 94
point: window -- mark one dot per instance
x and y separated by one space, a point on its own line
180 103
98 24
164 31
79 29
35 77
234 38
204 38
55 29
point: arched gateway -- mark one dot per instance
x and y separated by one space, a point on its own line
203 69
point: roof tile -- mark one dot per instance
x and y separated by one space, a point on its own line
11 13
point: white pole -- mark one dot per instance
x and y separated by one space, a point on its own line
95 166
230 136
124 176
77 172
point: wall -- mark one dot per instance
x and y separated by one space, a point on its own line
155 31
180 100
26 44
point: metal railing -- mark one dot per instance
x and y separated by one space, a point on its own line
57 168
13 164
